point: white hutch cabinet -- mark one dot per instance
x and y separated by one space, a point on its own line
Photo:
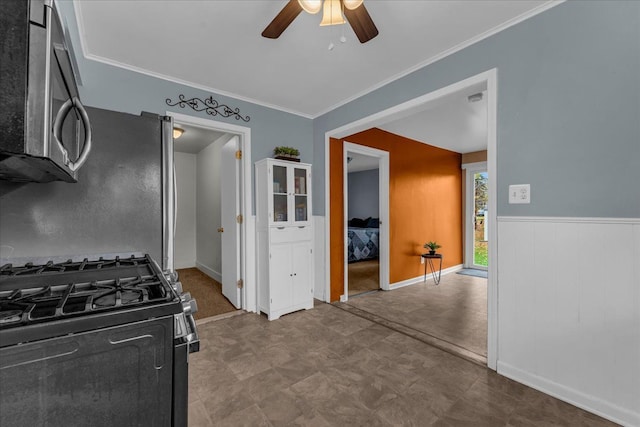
284 237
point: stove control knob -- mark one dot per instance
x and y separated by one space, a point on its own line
177 286
172 276
194 306
189 305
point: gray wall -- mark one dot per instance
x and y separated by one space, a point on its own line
568 109
185 236
364 197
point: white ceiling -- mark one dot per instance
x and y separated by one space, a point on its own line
361 162
216 45
451 122
194 138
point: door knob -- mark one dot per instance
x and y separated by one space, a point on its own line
220 230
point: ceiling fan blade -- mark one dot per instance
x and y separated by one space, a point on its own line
282 20
361 22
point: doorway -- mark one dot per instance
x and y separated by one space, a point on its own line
488 80
366 210
210 242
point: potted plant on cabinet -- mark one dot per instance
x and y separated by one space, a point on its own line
432 246
286 153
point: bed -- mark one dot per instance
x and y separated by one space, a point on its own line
363 239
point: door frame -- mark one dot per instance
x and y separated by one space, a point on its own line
489 77
247 228
228 157
383 211
469 240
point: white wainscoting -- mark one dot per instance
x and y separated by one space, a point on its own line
319 266
569 310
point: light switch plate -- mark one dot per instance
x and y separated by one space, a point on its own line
519 194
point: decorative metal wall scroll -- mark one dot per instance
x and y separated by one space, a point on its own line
209 106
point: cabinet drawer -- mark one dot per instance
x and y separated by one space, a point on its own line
280 234
301 233
289 234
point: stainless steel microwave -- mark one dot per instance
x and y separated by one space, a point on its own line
46 134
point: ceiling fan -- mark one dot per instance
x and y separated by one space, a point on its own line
354 11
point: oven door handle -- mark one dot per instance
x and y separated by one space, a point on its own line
73 102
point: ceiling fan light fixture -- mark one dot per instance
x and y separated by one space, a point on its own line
332 13
311 6
352 4
177 132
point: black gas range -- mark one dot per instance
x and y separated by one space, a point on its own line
94 341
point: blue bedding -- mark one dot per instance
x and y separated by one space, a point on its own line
363 243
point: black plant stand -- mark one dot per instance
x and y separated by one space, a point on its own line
429 262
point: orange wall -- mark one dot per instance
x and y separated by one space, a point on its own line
425 203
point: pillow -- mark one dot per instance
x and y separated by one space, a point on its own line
357 222
373 223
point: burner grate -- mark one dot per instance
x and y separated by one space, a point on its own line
69 265
38 293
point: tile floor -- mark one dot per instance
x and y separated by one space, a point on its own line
327 367
454 311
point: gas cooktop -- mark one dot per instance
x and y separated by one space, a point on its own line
81 295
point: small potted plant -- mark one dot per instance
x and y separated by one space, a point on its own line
286 153
432 246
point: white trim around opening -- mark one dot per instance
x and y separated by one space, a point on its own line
383 211
247 230
490 78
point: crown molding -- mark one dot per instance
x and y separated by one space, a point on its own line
88 56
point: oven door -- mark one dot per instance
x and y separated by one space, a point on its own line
117 376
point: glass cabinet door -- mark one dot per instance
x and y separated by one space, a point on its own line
280 194
300 181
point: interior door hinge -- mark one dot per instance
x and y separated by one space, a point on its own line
239 219
240 283
239 154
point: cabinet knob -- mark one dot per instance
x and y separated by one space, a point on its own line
220 230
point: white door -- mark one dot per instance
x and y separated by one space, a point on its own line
280 277
229 210
302 288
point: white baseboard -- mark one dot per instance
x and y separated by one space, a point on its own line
184 264
209 272
581 400
420 279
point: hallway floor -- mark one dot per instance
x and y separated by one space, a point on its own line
327 367
206 291
364 276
